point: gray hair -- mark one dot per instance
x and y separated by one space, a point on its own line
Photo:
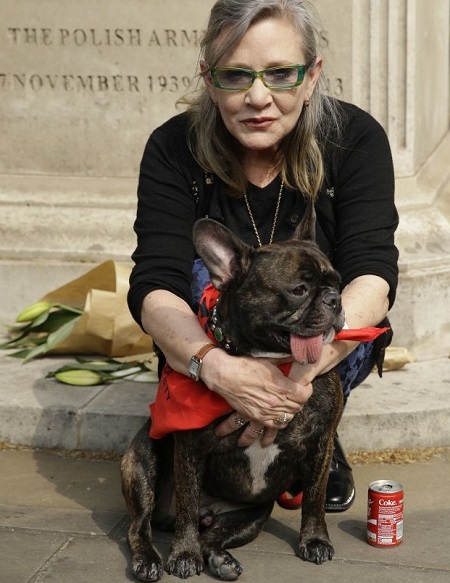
300 154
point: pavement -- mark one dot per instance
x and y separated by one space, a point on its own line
63 519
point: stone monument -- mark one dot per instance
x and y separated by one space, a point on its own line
82 84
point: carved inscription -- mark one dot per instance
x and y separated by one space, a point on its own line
148 41
134 82
69 83
107 37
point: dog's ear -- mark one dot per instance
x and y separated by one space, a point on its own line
306 229
225 255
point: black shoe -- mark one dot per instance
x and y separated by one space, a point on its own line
340 488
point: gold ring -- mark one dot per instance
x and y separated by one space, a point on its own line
256 431
281 420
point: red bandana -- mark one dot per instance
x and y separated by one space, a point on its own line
182 403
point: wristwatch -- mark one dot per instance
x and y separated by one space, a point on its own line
195 366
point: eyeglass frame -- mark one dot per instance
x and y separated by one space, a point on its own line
301 72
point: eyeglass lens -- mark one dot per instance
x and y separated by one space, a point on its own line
242 78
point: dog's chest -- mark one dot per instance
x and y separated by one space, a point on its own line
260 458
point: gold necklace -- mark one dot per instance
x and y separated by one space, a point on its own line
275 217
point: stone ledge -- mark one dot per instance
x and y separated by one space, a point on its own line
407 408
41 412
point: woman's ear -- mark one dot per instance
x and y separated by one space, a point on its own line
313 77
208 81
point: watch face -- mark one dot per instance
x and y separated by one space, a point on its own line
194 368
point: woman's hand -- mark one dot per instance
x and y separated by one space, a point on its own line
285 395
259 393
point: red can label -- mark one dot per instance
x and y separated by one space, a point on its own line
385 514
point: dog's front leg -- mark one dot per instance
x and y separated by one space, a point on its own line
185 557
314 543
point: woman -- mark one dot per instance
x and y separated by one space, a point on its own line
260 137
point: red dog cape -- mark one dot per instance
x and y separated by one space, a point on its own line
182 403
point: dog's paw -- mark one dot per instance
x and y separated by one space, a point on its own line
224 566
147 568
184 564
316 551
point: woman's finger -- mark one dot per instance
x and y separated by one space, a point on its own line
268 436
230 424
253 432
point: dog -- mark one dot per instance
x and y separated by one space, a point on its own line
276 299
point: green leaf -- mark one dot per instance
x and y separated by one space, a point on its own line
39 320
69 308
17 327
61 333
56 320
24 341
37 351
94 366
20 353
9 344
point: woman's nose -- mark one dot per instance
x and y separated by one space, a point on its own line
258 96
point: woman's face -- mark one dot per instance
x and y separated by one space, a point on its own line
259 118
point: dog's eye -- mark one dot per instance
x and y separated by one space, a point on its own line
300 290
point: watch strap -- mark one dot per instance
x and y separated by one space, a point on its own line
204 350
195 365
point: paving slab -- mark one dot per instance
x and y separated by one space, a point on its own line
24 553
63 519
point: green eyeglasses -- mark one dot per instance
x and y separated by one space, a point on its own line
237 79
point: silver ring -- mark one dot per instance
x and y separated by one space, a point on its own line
281 420
256 431
239 422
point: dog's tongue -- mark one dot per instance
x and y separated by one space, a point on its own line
306 350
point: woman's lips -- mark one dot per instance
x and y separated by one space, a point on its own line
258 123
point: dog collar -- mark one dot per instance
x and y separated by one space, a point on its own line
209 316
218 330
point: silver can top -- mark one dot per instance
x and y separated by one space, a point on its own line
385 487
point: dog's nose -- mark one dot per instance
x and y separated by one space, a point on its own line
332 298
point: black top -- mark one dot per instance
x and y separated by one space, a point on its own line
356 214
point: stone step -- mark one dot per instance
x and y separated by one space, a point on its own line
409 408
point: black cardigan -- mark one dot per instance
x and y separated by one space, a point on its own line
356 213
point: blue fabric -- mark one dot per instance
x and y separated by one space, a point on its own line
200 279
354 369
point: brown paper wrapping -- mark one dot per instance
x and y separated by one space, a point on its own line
397 357
106 327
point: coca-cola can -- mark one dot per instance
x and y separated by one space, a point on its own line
385 514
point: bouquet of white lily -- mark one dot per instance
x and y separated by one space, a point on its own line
99 372
88 315
40 328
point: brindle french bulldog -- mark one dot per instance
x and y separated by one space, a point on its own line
278 298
